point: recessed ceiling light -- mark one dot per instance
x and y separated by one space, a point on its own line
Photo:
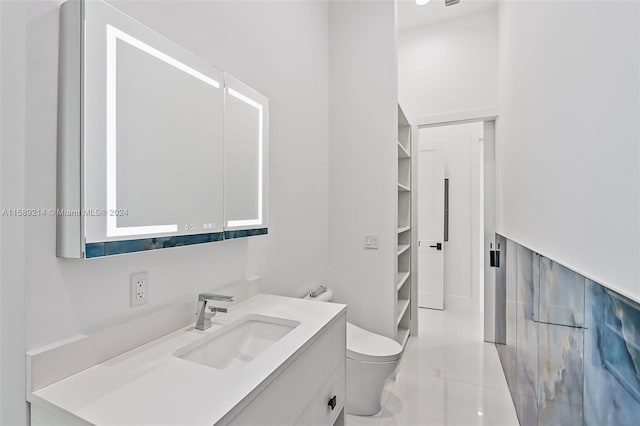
421 2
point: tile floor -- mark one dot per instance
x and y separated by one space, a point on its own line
448 376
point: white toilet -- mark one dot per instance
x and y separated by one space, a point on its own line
371 359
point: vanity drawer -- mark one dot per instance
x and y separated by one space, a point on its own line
319 411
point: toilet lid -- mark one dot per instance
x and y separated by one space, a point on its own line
363 345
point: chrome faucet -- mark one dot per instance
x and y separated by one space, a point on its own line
204 317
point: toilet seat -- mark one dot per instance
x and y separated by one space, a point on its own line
363 345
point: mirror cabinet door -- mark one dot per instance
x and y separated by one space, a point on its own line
246 153
153 138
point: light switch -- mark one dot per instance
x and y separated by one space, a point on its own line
371 241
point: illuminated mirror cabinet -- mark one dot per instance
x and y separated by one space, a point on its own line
156 148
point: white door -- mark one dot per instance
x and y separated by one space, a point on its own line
430 228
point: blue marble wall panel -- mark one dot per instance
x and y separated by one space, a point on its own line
561 295
506 315
572 347
526 338
560 374
611 384
553 413
511 265
526 409
501 294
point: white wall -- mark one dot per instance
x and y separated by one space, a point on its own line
450 66
12 262
281 49
363 160
461 147
568 152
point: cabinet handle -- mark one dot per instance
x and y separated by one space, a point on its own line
332 403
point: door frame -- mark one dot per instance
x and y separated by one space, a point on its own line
489 200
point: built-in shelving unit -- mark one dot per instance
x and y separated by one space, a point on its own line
402 280
403 336
402 151
403 307
402 248
406 321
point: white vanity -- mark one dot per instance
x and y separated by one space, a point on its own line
271 360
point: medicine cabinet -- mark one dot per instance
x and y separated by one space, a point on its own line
156 148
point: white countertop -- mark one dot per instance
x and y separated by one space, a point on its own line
150 386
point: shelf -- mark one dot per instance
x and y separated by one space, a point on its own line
402 119
402 152
403 229
401 187
403 305
403 337
402 279
402 248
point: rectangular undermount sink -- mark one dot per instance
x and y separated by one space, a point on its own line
237 344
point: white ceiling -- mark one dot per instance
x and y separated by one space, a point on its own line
411 15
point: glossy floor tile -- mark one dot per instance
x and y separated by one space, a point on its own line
448 376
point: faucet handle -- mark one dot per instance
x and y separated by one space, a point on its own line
210 296
204 318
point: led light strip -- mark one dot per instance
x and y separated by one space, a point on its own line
113 34
251 102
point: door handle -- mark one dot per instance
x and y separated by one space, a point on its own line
332 402
438 246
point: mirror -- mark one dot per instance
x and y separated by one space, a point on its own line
157 148
164 143
153 136
246 144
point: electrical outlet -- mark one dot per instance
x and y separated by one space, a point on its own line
139 288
